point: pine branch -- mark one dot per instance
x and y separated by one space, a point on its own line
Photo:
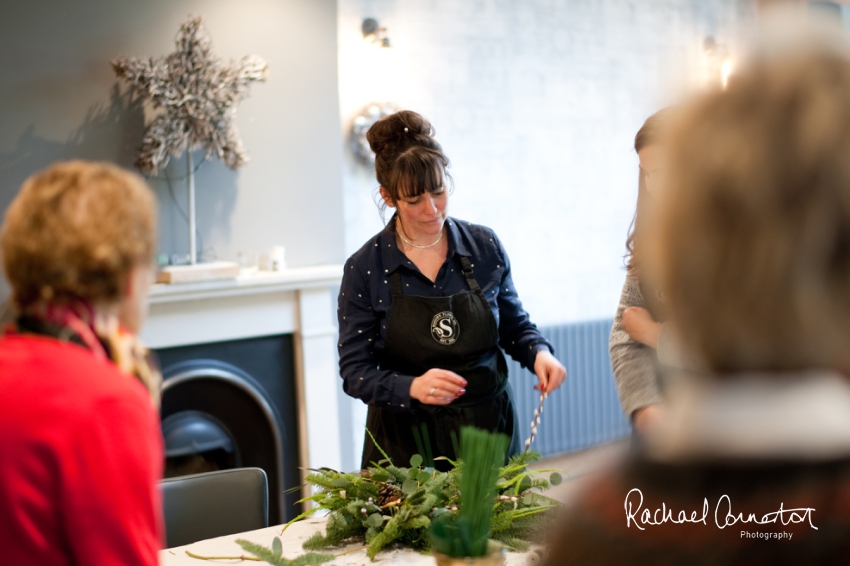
320 480
268 555
317 542
398 474
339 529
521 461
383 538
240 557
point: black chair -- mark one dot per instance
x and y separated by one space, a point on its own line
214 504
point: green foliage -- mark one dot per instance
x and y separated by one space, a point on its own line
375 520
466 534
382 538
398 474
340 528
318 541
378 446
273 556
513 543
386 504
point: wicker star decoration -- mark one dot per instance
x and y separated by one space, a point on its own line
198 93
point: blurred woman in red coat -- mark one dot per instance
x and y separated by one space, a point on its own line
79 432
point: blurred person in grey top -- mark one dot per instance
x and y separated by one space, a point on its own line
638 336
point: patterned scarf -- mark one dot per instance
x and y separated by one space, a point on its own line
98 332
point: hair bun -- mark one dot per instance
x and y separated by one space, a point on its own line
402 129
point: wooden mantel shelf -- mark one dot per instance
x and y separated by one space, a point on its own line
294 279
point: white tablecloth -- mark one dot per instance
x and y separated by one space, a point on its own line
292 540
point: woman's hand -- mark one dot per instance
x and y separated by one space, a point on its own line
549 370
640 325
437 387
647 418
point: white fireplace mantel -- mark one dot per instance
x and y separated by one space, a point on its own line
294 301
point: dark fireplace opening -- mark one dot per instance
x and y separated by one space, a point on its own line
197 442
233 404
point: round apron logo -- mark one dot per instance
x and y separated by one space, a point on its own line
444 328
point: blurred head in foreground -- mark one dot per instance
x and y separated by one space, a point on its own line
80 231
77 245
753 247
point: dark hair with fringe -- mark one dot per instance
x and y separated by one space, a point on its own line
408 160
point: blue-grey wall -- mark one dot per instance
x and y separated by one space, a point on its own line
59 99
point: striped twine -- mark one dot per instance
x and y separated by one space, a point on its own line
536 422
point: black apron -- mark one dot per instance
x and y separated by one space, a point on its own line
456 333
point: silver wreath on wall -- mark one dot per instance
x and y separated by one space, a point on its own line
361 123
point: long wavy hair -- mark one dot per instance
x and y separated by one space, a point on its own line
649 134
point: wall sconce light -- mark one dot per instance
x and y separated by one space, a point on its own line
374 33
361 123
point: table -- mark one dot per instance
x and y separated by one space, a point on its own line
291 541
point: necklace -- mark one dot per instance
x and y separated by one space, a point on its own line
408 242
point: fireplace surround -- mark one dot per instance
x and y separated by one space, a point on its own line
249 369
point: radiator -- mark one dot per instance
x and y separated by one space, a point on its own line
585 411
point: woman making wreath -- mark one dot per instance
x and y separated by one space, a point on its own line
425 309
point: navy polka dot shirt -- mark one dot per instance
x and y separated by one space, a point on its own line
365 301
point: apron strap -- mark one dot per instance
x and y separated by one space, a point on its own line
467 272
395 284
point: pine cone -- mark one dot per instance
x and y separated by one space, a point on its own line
388 494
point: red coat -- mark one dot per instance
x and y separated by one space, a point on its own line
80 456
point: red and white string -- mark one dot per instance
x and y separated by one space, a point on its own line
538 412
